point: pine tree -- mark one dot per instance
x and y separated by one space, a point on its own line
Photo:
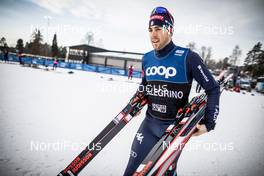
20 46
225 63
54 47
62 52
254 62
2 41
35 44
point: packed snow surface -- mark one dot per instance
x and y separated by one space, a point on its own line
48 117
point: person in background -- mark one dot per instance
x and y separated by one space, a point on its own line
130 72
55 63
6 55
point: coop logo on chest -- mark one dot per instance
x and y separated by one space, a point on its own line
161 70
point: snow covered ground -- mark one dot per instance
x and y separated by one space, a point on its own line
47 117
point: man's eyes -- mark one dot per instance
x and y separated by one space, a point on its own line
155 29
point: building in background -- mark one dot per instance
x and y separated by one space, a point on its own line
98 56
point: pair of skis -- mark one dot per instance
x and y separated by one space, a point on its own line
167 150
136 103
158 160
169 147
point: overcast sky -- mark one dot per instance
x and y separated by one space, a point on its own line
123 24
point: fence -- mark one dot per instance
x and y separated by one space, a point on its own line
38 61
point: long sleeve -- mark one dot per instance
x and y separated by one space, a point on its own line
198 71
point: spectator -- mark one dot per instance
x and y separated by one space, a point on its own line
130 72
55 63
6 55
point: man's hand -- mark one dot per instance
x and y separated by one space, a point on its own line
138 113
201 129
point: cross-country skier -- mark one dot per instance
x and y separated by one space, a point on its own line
168 74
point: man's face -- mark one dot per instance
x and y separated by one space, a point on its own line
159 37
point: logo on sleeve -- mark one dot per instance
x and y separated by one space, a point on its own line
139 137
202 72
162 71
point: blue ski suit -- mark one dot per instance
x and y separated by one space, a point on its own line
167 80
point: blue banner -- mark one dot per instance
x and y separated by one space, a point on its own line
137 74
77 66
89 68
117 71
13 58
63 65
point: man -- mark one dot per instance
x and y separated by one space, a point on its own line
168 74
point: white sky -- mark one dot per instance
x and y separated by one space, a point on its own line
122 24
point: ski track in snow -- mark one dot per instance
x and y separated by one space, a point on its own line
48 117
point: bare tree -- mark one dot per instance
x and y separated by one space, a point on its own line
192 46
89 38
235 55
100 43
225 63
203 51
208 55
